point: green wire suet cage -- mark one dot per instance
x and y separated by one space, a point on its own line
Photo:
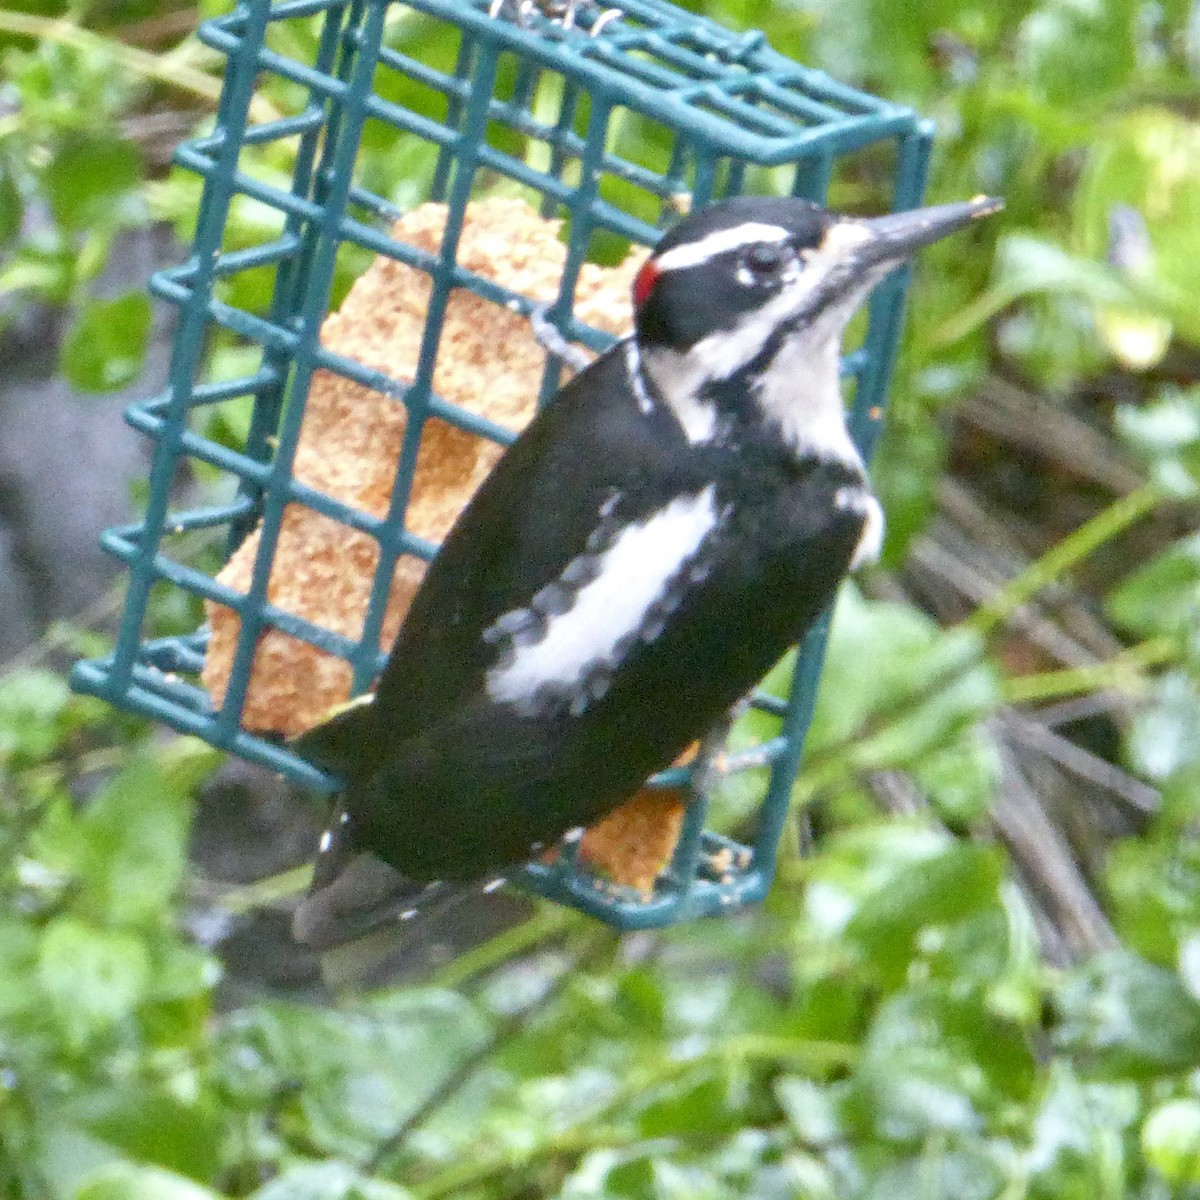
733 115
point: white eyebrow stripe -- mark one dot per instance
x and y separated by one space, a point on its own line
692 254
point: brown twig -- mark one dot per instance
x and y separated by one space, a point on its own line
1052 878
1026 421
1080 762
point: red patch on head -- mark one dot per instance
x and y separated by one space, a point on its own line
644 283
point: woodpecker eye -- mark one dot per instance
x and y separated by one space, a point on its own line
764 260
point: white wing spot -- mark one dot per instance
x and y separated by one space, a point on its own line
493 885
631 580
408 914
326 841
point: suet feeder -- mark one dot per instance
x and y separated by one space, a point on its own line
608 120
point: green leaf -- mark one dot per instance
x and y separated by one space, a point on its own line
86 179
924 688
1148 160
1164 736
892 898
327 1181
1154 884
913 1080
940 889
67 1157
696 1108
1078 1129
993 956
18 961
859 863
125 1181
1052 338
640 1000
685 1182
1027 265
627 1175
12 208
810 1110
1181 801
1077 52
907 467
106 344
45 271
149 1124
1163 597
943 1169
92 978
355 1072
1171 1141
961 778
31 706
1130 1017
1166 433
135 831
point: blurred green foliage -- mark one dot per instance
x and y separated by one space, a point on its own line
886 1026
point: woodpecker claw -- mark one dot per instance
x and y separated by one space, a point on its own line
550 338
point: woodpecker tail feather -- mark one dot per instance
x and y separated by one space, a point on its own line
354 893
365 895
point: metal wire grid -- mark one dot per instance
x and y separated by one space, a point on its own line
728 105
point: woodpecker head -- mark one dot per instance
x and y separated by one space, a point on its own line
740 310
781 256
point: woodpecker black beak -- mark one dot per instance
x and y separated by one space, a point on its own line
900 235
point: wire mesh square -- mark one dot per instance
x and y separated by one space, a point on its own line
606 131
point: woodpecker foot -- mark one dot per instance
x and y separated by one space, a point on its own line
550 338
711 760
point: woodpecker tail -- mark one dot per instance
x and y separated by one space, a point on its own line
354 893
364 896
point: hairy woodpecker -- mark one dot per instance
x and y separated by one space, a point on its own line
639 558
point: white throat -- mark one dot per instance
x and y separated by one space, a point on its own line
801 394
679 380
